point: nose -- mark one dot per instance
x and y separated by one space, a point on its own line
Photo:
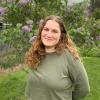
49 33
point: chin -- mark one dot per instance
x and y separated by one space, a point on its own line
48 45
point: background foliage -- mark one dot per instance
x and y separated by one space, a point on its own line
82 22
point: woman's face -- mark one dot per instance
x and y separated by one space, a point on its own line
50 34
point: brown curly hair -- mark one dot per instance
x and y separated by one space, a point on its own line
37 51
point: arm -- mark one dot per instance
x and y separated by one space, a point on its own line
79 78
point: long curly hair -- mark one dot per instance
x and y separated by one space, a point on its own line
37 51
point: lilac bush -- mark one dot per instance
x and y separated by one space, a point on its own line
2 10
32 39
18 25
97 37
29 22
24 2
26 29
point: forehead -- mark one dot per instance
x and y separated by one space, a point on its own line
52 24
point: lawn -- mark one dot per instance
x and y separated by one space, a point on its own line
12 85
92 65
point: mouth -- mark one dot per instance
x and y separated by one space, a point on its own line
48 39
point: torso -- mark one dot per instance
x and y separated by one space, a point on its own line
51 78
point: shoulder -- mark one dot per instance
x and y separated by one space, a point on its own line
73 62
72 56
69 55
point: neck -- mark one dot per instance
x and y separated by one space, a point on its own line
49 49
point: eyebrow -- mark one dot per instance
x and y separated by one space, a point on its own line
52 29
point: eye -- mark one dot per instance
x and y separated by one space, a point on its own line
54 31
45 29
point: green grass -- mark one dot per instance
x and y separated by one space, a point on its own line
12 86
92 65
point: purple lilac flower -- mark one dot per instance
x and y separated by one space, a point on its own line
26 29
29 23
24 2
2 10
30 26
97 37
32 39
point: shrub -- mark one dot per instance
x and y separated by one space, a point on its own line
91 52
11 60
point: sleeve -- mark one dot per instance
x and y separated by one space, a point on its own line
79 78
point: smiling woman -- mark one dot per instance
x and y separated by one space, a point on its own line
56 72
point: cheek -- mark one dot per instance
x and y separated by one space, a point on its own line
58 37
43 34
42 37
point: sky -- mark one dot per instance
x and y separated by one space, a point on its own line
70 2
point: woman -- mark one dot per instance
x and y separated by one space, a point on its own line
56 72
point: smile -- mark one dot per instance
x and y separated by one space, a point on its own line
50 39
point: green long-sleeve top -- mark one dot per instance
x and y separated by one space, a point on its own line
58 77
